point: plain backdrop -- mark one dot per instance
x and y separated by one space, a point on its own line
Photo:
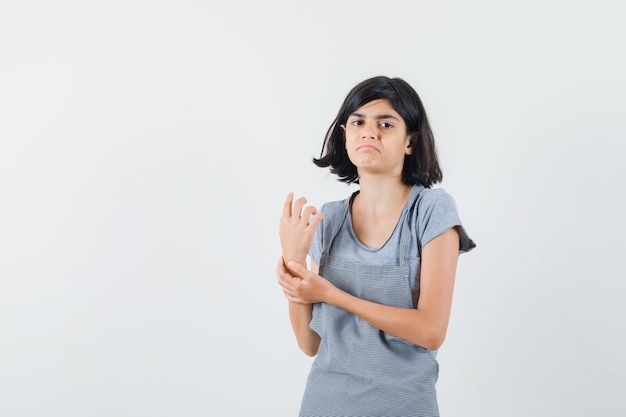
146 148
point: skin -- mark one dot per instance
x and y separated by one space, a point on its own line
376 141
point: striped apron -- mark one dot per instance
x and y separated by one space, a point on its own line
360 370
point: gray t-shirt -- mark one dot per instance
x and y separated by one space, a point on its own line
433 212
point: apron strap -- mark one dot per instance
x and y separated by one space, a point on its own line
405 232
337 223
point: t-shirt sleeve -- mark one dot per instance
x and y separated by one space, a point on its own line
437 212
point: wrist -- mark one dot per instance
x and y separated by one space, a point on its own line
297 259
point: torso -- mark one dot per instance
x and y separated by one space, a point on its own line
359 369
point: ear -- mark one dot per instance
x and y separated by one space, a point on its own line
412 142
343 129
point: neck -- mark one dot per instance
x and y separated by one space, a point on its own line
382 194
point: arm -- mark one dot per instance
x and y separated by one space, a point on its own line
300 314
425 325
296 234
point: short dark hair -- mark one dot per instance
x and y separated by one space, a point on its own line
420 167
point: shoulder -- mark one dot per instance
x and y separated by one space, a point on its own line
434 202
435 212
434 196
333 208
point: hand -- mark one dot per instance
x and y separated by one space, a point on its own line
295 231
305 287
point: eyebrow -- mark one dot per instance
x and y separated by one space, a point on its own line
379 117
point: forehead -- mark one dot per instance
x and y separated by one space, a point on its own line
376 108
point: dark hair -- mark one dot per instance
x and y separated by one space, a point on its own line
420 167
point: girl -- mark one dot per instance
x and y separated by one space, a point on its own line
375 304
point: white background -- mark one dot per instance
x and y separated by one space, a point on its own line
146 148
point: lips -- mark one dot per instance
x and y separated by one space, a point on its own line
367 148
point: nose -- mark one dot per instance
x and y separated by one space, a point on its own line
369 132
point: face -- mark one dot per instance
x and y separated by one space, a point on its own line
376 139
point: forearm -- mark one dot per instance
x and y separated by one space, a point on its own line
410 324
300 316
427 324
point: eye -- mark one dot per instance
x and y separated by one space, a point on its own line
356 122
386 125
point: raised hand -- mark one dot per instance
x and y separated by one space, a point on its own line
297 227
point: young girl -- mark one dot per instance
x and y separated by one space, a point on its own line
375 304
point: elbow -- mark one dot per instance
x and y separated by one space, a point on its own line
434 344
309 350
310 353
433 340
309 346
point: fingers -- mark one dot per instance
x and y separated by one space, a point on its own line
281 271
308 212
295 299
297 208
316 220
297 269
291 285
285 276
309 215
287 205
285 279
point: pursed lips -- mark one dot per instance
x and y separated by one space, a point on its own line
367 148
